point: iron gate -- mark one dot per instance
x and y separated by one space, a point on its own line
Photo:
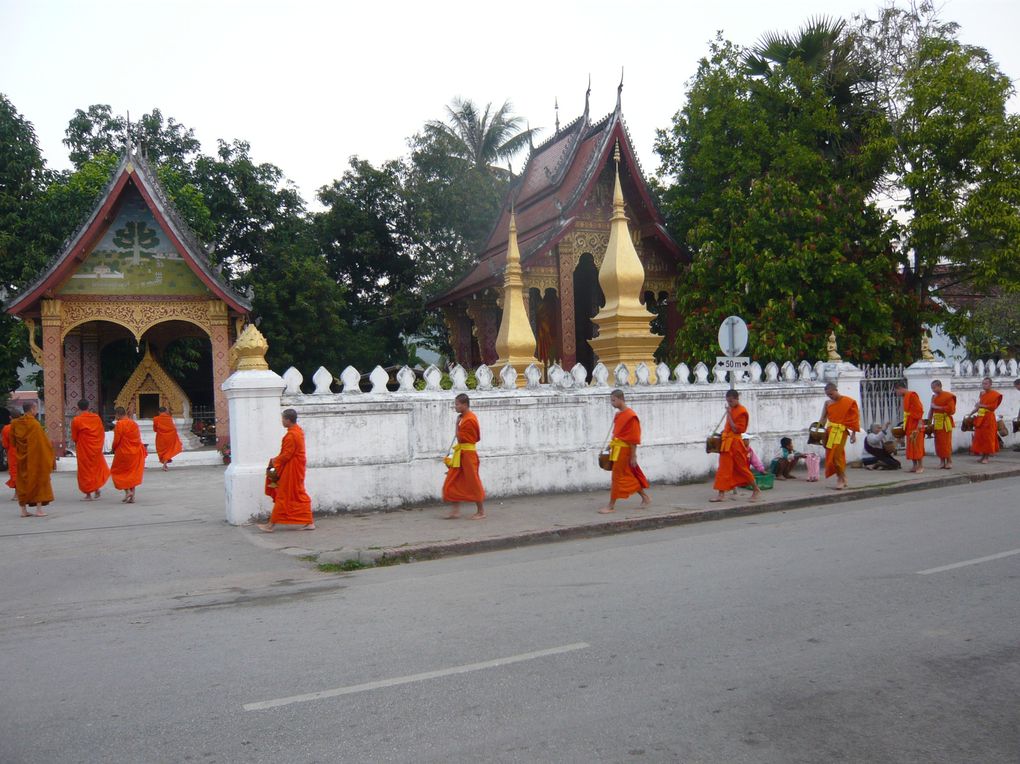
879 402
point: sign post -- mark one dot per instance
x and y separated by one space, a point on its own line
732 341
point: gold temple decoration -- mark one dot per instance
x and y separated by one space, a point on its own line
625 334
515 343
250 350
37 353
926 354
149 378
830 347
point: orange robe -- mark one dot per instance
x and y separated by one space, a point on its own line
88 433
35 461
626 435
12 457
168 442
463 483
291 505
734 468
842 417
986 436
128 455
942 423
913 425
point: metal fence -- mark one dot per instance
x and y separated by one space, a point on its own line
879 402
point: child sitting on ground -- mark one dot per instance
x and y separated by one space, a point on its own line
782 466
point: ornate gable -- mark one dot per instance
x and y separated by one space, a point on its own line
150 378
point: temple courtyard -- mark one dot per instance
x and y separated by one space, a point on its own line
880 627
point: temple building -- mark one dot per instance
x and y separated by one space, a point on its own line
133 276
562 205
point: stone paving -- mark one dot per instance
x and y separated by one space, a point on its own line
422 533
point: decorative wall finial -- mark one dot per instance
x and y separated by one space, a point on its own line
830 347
250 350
926 354
556 107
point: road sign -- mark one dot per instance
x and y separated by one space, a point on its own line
732 363
733 336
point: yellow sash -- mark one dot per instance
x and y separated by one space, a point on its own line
727 441
982 412
835 434
942 421
457 448
614 448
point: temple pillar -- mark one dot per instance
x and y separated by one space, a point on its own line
486 314
73 389
90 366
567 261
219 336
459 326
53 373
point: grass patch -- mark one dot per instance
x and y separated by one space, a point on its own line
308 557
341 567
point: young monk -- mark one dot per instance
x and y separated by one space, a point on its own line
35 462
913 425
291 504
462 480
12 460
627 476
943 406
129 454
88 434
168 442
842 415
986 435
734 469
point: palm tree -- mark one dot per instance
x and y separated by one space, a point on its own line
482 139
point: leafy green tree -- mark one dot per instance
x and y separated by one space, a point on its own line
135 236
774 207
97 130
482 138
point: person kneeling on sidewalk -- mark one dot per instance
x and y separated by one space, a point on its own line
875 445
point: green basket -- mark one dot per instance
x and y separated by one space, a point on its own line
764 480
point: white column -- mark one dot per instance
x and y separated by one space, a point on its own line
253 399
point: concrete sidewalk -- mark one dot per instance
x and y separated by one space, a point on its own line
422 533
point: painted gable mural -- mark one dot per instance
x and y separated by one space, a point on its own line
134 257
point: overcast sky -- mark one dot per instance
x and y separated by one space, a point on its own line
309 84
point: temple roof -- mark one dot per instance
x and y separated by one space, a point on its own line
550 192
132 172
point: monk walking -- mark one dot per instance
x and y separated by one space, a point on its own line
129 454
986 435
943 406
12 460
842 416
291 505
734 468
463 482
913 425
168 442
627 475
35 462
88 434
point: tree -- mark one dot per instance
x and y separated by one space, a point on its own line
135 236
482 139
954 171
775 211
97 130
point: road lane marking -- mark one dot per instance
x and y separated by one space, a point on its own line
965 563
350 690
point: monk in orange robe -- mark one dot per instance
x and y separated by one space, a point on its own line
986 435
734 465
35 462
943 406
627 475
291 505
842 416
88 434
168 442
462 480
12 460
129 455
913 425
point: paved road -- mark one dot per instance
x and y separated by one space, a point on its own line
807 636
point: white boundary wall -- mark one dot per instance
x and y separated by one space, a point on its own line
383 449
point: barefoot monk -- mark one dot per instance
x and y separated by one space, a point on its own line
291 504
168 442
840 416
627 475
129 454
463 482
943 406
734 469
35 462
986 435
913 425
88 434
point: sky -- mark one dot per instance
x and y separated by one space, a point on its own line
309 84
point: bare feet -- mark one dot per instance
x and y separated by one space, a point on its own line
452 516
88 497
39 513
755 495
477 516
309 527
717 499
165 468
267 528
25 513
646 501
606 511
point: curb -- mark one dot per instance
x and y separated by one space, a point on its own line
653 522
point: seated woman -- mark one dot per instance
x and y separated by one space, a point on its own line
782 466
